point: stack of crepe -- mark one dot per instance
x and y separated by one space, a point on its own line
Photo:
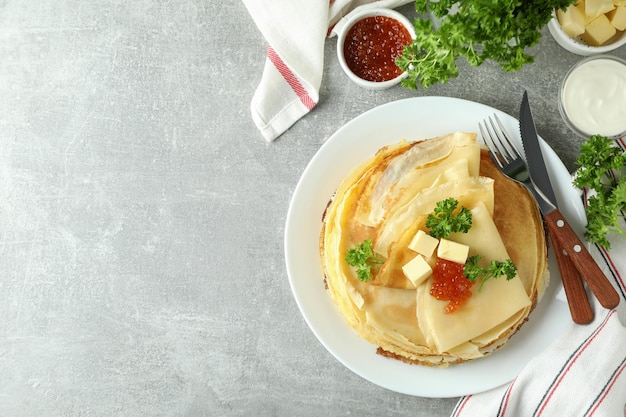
387 200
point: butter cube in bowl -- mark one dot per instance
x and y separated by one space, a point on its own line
590 27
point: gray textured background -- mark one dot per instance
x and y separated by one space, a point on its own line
142 214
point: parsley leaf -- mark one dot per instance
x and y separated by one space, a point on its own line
443 221
496 269
362 258
597 159
602 170
497 30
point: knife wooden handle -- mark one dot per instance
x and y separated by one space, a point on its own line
560 230
579 306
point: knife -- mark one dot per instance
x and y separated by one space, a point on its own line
577 299
558 227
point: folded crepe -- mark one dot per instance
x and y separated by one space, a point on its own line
387 200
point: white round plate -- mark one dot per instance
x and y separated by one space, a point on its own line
411 119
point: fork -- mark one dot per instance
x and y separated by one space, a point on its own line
509 161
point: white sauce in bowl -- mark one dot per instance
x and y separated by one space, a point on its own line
593 97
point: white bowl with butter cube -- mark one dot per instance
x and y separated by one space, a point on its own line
590 27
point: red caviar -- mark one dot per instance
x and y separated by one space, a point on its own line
449 284
372 46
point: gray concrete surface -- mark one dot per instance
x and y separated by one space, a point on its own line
142 214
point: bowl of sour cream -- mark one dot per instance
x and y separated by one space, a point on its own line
592 98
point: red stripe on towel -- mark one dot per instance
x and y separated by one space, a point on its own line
291 79
608 388
460 406
569 365
615 272
505 401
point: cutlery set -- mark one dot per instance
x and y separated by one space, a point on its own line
574 260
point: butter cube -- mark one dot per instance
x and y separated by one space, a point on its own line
417 270
452 251
423 243
572 20
598 31
581 7
595 8
617 17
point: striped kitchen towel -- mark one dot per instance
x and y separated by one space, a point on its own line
583 373
295 31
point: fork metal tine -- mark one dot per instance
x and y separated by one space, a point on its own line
502 149
487 137
496 138
503 137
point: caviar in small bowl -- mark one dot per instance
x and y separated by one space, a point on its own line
368 44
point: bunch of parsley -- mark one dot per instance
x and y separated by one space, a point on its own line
443 220
603 171
499 30
362 257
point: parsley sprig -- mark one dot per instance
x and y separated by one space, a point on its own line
603 170
498 30
496 269
362 257
446 219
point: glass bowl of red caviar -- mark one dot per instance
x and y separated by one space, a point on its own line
369 42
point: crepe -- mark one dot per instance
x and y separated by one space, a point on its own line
387 200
